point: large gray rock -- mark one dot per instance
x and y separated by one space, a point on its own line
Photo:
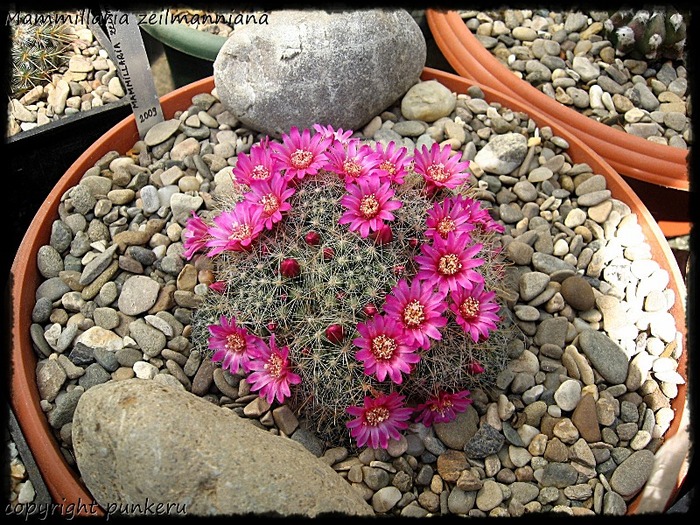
139 440
314 66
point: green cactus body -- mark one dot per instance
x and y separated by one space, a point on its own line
339 275
654 33
37 52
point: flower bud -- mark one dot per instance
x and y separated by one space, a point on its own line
328 254
413 242
369 310
272 326
475 368
335 333
399 269
312 238
290 267
218 286
383 235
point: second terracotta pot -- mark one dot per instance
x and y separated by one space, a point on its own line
660 167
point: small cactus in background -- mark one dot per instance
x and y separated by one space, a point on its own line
656 33
377 288
37 52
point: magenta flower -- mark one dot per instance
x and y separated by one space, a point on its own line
352 161
218 286
393 162
369 204
336 136
271 195
195 236
273 374
233 345
300 154
256 165
448 264
379 419
475 310
385 349
235 229
439 167
418 310
449 216
480 216
442 407
475 368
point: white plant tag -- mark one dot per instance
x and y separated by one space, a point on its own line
122 40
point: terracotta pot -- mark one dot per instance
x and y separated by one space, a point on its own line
634 157
61 479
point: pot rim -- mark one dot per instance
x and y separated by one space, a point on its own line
627 154
61 479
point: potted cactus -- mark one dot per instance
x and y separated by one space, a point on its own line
657 171
62 480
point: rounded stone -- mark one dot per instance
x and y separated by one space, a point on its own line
256 472
361 62
428 101
578 293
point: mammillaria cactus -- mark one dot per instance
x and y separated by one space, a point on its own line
37 52
655 33
357 283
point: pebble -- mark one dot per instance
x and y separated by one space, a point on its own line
578 67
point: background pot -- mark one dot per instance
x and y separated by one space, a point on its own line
62 480
660 172
190 52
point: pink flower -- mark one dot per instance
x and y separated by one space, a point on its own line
475 310
300 154
256 165
384 349
418 310
337 136
439 167
351 161
271 195
480 216
369 204
448 264
442 407
195 236
393 162
235 229
273 375
379 419
475 368
218 286
233 345
449 216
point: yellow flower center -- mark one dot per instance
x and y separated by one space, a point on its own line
437 172
388 166
260 172
445 226
352 168
383 347
270 203
301 159
239 232
469 308
235 343
413 314
369 206
274 366
449 264
376 415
